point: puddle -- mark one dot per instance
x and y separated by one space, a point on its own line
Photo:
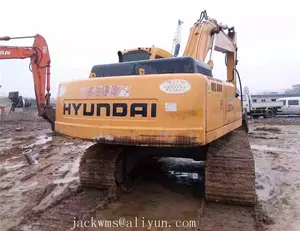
75 166
178 174
63 185
185 178
72 166
185 175
43 139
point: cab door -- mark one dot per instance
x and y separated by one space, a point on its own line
284 108
293 106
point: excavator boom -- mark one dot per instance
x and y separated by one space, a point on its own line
40 68
209 35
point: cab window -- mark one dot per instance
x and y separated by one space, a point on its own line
293 102
283 102
135 56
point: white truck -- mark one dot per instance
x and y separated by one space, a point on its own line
291 105
265 109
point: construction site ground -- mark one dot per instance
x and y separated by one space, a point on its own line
168 195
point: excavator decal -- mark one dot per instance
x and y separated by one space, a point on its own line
116 110
175 86
4 52
106 90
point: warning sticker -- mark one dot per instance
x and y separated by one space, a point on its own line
171 107
209 87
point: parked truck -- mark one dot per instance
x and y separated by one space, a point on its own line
291 105
257 109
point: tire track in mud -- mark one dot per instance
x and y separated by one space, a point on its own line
55 205
221 217
24 187
152 199
60 216
278 178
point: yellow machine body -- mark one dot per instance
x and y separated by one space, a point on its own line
144 110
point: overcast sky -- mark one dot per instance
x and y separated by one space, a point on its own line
81 34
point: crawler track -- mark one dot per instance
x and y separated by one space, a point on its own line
98 167
230 170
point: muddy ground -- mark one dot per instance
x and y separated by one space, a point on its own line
46 195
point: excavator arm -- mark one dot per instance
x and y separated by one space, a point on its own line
40 68
207 35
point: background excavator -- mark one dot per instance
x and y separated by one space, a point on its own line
156 107
40 68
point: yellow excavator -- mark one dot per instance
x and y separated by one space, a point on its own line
171 106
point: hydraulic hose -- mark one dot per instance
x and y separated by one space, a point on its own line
240 83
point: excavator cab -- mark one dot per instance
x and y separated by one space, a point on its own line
140 54
143 54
